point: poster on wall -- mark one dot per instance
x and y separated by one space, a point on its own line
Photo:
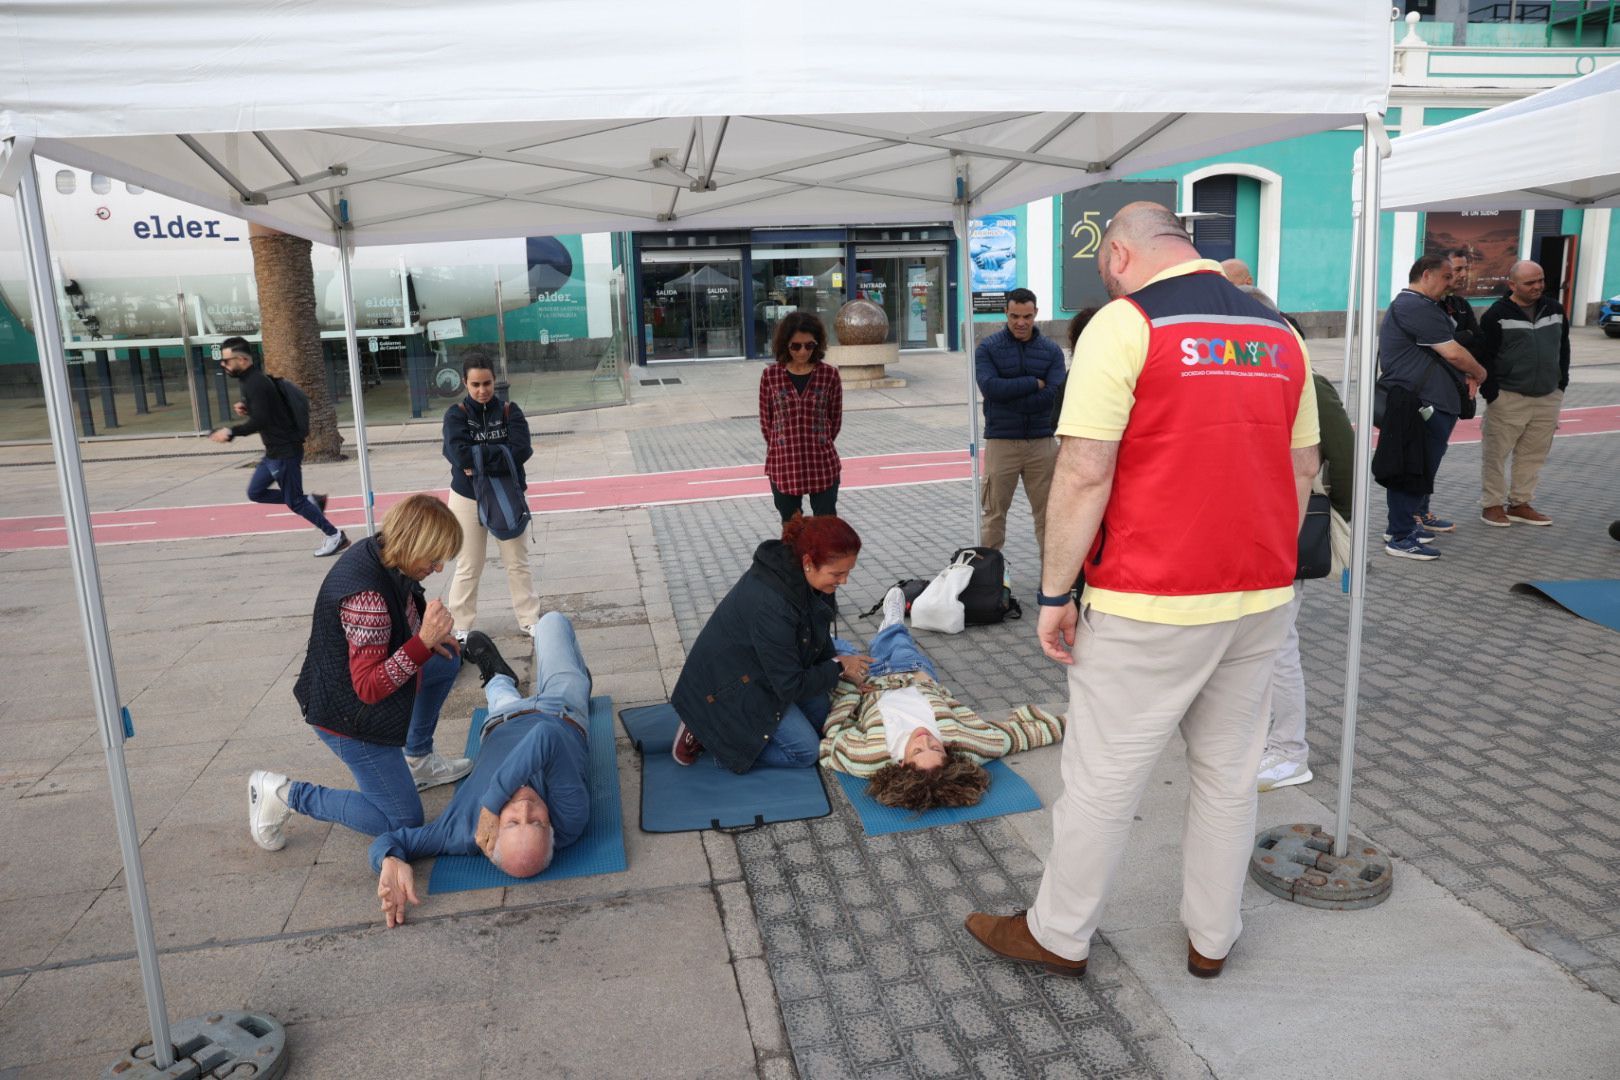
556 270
993 247
1491 238
1086 213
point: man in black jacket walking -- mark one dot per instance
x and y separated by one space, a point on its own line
1525 347
280 475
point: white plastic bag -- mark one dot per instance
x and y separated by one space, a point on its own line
940 606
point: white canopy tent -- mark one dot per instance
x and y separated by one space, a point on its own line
352 123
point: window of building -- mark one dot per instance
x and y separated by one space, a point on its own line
66 182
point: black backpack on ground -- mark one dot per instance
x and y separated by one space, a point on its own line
297 403
987 599
912 587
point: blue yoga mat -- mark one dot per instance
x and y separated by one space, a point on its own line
676 798
599 851
1595 600
1009 794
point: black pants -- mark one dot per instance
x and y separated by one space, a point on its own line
821 502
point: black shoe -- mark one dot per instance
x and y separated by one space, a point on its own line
479 649
1614 530
320 502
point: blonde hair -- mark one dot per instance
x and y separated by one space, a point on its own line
419 528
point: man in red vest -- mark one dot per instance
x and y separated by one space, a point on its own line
1189 437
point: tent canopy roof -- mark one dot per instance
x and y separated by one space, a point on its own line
1553 150
490 118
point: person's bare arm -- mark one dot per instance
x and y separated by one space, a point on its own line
1307 459
1461 359
1080 488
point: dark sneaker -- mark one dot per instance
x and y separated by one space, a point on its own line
480 650
1614 530
1434 523
1411 548
1495 516
686 748
1525 514
1423 536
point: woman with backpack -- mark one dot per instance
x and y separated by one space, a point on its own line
801 409
754 690
482 432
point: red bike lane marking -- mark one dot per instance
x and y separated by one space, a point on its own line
578 494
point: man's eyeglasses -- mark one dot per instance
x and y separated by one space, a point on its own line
801 346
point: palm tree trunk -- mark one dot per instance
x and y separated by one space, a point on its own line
292 337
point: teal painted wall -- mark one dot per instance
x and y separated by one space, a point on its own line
1433 117
1247 236
1611 265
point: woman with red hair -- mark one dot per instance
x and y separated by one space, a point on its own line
756 684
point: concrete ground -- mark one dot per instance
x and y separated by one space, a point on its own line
1487 763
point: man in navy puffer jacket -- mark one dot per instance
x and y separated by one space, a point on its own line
1019 373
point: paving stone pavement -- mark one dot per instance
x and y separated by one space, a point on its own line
1488 744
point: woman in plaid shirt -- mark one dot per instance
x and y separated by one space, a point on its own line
801 408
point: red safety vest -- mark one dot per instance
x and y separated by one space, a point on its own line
1203 499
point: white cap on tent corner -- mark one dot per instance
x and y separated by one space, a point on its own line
460 123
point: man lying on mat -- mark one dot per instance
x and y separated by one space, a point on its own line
527 794
921 747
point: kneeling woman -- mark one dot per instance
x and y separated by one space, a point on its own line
379 666
755 687
906 731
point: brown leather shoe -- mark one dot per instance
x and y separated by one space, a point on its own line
1495 515
1202 966
1009 936
1525 514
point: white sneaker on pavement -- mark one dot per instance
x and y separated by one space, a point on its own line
435 769
267 809
894 608
460 636
1277 771
334 544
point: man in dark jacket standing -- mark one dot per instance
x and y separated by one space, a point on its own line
1019 373
1525 346
1456 302
280 475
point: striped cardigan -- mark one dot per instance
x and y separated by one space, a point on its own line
853 739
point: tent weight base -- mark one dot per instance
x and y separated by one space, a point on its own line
1296 862
219 1046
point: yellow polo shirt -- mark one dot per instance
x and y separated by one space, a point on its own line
1097 402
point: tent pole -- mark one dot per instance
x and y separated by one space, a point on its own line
1373 146
87 582
1350 354
964 292
356 389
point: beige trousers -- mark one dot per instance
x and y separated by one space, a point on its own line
1132 685
1522 427
1005 462
463 598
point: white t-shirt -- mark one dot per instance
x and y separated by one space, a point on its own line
903 712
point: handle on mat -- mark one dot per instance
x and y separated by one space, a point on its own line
733 830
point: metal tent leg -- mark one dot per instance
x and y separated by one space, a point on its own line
357 396
965 295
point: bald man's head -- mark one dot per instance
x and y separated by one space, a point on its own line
1143 239
1526 281
1237 272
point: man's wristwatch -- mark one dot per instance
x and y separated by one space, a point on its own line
1053 601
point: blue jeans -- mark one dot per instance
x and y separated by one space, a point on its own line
562 682
1404 507
894 650
387 798
287 474
797 741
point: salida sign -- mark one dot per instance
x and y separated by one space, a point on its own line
1086 213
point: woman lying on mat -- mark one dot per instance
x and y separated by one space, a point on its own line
755 687
921 747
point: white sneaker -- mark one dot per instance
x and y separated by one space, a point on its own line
334 544
527 631
267 809
1277 771
894 608
436 769
460 636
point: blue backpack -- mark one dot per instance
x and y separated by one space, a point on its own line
502 508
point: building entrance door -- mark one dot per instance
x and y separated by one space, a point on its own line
908 283
692 305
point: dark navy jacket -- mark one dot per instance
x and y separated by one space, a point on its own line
767 646
499 423
1014 407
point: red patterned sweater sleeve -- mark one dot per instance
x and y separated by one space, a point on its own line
374 673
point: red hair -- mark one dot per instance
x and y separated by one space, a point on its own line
821 539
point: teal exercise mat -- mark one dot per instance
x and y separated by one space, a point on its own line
600 850
1009 793
1594 599
687 798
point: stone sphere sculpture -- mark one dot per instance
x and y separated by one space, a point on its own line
861 322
